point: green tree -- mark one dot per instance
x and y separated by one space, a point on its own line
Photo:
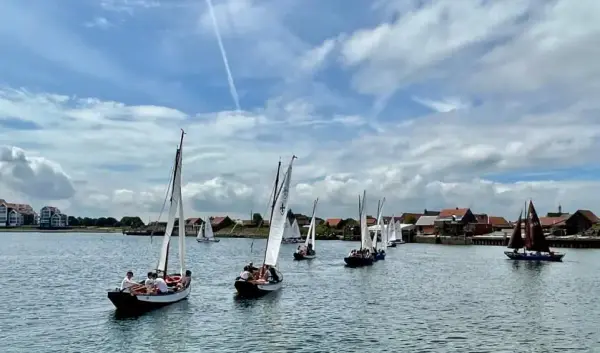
88 222
101 222
132 222
257 218
410 219
111 222
73 221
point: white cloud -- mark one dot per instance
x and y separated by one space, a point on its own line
442 106
99 22
511 86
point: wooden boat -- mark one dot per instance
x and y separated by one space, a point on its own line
535 247
363 256
307 252
279 211
133 300
206 234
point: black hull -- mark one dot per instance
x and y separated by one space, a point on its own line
555 257
127 303
299 257
252 290
354 261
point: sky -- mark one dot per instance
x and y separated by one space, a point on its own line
430 104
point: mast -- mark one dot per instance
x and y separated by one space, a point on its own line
360 222
174 182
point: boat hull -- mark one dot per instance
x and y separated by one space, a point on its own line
127 302
291 241
355 261
391 245
246 289
299 257
205 240
555 257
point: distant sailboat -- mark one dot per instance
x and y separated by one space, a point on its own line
307 252
269 278
391 232
292 233
137 298
206 234
379 246
534 241
364 255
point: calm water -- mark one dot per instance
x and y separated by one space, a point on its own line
422 298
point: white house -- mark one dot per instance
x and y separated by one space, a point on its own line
3 213
15 214
51 217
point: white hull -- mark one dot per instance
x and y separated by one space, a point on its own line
291 241
208 240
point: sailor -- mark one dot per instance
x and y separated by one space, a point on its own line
128 281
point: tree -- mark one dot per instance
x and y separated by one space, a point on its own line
257 218
101 222
73 221
132 222
410 219
111 222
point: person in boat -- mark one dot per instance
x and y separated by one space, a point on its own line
310 250
128 281
246 275
149 282
185 280
160 284
251 268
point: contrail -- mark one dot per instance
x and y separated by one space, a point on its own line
232 88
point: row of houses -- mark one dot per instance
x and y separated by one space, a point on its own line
463 221
17 214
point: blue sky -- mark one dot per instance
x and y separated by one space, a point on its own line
430 104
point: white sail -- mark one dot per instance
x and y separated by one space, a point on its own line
174 203
181 234
208 231
392 229
287 231
200 232
312 231
309 233
278 219
296 230
366 241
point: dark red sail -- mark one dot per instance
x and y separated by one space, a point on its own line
538 240
527 228
516 240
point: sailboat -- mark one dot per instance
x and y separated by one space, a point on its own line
136 298
364 255
292 234
380 246
534 241
391 233
269 278
206 234
307 252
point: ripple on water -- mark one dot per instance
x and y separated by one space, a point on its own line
422 298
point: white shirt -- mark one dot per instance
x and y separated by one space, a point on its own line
245 275
149 282
162 285
126 283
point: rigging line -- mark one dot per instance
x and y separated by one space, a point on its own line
164 202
